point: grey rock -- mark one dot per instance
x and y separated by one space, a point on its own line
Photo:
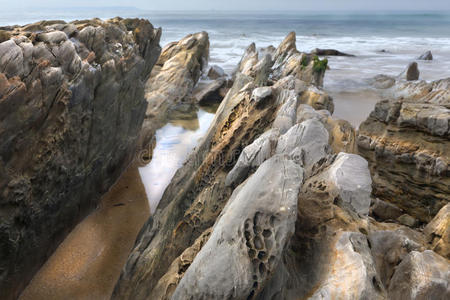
412 72
383 210
426 56
75 119
11 59
210 92
249 237
306 112
305 143
330 52
389 248
261 93
54 37
352 273
423 275
383 82
287 114
351 177
253 156
216 72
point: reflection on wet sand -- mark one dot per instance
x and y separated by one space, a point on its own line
187 125
88 262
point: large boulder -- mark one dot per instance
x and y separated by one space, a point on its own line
71 109
421 275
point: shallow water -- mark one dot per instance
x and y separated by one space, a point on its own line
187 125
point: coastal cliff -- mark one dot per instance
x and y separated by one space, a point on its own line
71 109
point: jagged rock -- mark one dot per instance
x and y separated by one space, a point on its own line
329 52
332 205
352 273
271 50
390 247
216 72
328 255
248 60
426 56
306 67
317 99
197 193
438 232
249 237
421 276
211 92
305 143
384 210
167 284
253 156
406 142
287 114
178 70
71 108
383 82
261 93
412 72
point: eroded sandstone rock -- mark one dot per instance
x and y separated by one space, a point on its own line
249 237
71 108
406 141
177 71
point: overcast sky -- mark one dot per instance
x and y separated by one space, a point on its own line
271 5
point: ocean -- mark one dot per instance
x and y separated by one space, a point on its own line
383 42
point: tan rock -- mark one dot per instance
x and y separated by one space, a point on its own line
407 143
438 232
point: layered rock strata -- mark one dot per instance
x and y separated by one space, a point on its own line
71 108
407 142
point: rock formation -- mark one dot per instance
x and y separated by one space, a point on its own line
407 143
173 79
426 56
71 108
412 72
270 207
329 52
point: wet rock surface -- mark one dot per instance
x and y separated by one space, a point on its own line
71 108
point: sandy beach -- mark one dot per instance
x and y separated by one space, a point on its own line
88 262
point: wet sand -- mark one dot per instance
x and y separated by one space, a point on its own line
354 106
88 263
